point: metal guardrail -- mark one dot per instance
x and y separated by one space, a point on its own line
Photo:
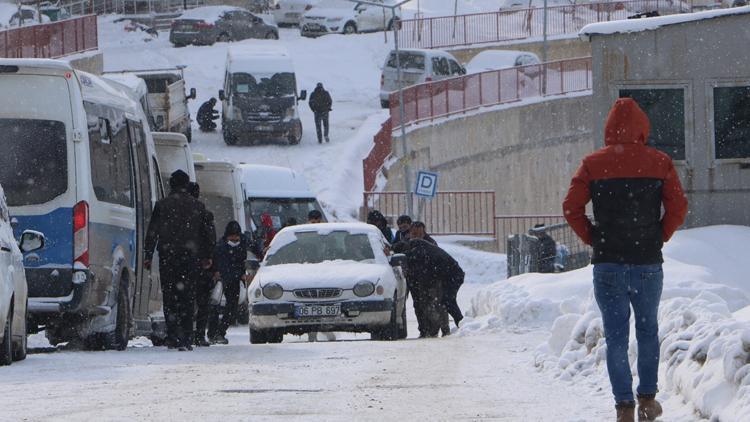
129 7
446 97
379 153
514 24
50 40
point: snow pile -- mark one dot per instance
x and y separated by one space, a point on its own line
705 349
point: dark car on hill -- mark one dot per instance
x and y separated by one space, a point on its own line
209 24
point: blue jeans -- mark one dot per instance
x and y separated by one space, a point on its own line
616 288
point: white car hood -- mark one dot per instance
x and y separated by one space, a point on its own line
328 13
334 274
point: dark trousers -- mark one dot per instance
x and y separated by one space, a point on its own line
218 326
203 304
450 306
428 307
207 125
321 119
179 277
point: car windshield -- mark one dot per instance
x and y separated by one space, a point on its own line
34 162
408 60
313 248
276 85
281 210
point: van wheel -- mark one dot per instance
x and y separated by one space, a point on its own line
19 353
295 136
6 347
122 325
229 138
350 28
258 336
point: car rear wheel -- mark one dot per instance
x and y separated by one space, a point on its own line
229 138
295 135
272 36
258 336
19 352
350 28
6 347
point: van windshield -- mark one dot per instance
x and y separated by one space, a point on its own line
34 161
408 60
281 210
276 85
222 207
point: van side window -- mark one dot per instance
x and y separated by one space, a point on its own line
144 176
440 66
456 68
111 162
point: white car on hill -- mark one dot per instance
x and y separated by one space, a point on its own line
13 287
289 12
345 17
489 60
328 277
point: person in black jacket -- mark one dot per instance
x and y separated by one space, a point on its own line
547 249
207 115
418 230
377 219
229 267
205 283
179 228
426 270
320 103
404 225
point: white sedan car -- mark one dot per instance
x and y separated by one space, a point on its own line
328 277
289 12
13 288
344 17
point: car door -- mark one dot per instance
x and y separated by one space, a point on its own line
225 25
254 25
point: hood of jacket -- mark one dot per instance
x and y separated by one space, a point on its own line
626 124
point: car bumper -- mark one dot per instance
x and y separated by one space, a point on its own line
356 316
190 38
259 130
74 303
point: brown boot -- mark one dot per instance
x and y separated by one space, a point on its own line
648 408
625 411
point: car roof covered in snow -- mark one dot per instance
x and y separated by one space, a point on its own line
494 59
98 90
208 13
259 60
649 24
325 228
274 182
130 81
45 64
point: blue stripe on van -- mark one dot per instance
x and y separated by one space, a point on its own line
57 227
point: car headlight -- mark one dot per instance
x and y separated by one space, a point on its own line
272 291
364 288
290 112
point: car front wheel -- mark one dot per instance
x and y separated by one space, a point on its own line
6 347
19 353
258 336
350 28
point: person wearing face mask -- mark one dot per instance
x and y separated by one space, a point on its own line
229 267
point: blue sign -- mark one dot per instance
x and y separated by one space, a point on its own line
426 184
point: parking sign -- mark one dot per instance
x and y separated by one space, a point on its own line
426 184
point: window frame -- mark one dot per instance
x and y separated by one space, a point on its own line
711 124
689 123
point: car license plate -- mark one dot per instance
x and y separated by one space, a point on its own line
293 15
263 128
315 311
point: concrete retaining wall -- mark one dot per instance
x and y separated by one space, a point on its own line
525 153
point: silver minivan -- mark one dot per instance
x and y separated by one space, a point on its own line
417 66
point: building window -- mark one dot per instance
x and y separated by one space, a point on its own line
665 108
732 122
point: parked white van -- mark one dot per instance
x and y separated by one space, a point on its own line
221 192
79 165
279 191
174 154
259 99
417 66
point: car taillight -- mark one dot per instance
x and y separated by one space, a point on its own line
81 235
204 25
308 7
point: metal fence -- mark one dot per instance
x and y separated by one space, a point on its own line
513 24
465 93
129 7
469 213
50 40
380 152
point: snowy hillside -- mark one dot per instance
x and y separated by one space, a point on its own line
705 349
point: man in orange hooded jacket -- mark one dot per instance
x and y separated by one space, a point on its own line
628 182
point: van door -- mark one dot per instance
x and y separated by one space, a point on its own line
177 106
143 217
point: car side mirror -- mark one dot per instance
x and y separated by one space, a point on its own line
193 94
398 260
252 265
31 241
302 95
222 97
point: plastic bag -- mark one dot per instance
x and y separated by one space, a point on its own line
217 293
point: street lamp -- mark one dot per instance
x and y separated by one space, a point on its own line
401 111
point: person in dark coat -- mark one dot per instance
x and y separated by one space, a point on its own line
547 249
377 219
425 275
229 267
205 283
179 228
207 115
321 103
404 225
418 230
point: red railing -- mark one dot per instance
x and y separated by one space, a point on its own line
469 213
50 40
380 152
465 93
507 25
